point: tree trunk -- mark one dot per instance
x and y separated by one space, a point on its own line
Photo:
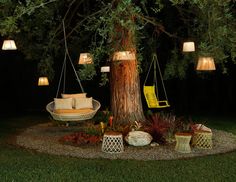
126 104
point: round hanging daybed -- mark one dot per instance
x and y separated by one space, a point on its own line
73 113
73 116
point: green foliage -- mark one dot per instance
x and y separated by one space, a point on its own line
107 26
45 66
9 25
104 79
114 28
87 72
213 28
92 129
178 65
102 116
158 6
216 30
177 2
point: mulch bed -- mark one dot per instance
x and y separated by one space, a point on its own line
45 138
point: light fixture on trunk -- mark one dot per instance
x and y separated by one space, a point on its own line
206 64
85 58
124 55
188 46
43 81
9 45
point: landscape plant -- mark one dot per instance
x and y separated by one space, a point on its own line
163 126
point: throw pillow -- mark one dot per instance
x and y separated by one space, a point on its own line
73 96
61 103
84 103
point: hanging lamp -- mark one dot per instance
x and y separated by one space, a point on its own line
206 64
43 81
85 58
124 55
9 45
189 46
105 69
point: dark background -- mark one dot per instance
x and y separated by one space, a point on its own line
213 94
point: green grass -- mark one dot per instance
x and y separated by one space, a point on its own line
18 164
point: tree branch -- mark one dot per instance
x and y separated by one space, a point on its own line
155 23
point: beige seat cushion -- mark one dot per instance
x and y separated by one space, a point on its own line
73 111
61 103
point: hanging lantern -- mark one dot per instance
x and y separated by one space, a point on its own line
188 47
85 58
206 64
105 69
43 81
9 45
124 55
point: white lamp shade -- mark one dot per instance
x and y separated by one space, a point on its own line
124 55
9 45
43 81
206 64
188 47
85 58
105 69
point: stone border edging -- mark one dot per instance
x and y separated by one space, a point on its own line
44 138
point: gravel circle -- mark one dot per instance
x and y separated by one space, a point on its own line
45 138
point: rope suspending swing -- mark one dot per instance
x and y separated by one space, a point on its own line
63 71
73 114
151 92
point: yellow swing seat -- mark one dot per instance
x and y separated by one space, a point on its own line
151 98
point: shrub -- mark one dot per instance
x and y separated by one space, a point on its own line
163 126
157 126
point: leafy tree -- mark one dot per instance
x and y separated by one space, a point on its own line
106 26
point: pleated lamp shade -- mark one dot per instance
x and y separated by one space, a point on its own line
206 64
105 69
85 58
9 45
188 47
124 55
43 81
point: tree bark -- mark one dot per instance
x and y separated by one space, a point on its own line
126 104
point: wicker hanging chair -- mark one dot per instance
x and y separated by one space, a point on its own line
74 115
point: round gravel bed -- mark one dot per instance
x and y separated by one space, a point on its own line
45 138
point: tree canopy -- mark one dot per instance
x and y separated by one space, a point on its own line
157 25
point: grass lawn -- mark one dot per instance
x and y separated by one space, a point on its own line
18 164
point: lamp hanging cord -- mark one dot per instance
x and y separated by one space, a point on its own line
148 73
158 66
63 71
67 53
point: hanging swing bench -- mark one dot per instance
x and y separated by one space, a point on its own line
151 92
73 114
72 107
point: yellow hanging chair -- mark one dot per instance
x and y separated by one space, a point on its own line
151 91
